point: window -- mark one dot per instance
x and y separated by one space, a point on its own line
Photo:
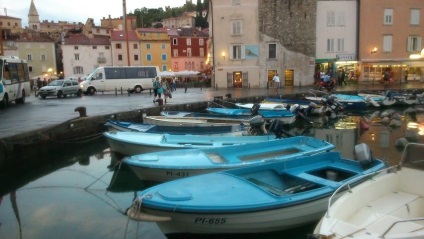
136 57
76 57
330 45
163 46
78 70
331 19
388 16
135 46
387 43
188 41
163 57
30 68
415 17
189 52
201 42
118 46
148 46
29 57
202 52
236 27
235 2
174 41
149 57
107 47
175 65
94 47
202 65
75 47
164 67
340 44
175 52
119 57
272 51
414 43
341 19
236 52
43 57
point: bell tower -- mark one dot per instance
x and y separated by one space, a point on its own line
33 17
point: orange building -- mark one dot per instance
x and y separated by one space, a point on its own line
390 39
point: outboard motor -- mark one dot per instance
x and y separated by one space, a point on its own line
257 125
277 128
300 112
364 155
255 109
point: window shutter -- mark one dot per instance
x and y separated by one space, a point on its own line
243 52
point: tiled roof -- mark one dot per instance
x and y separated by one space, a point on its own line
172 32
191 32
150 30
83 40
8 17
119 35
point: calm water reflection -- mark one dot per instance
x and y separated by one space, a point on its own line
84 192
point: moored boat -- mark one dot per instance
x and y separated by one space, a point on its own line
115 125
391 205
169 165
268 197
131 143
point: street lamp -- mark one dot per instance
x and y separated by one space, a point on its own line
374 50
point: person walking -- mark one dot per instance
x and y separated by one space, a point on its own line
156 88
276 80
165 88
174 84
342 78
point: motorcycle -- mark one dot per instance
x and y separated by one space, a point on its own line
328 85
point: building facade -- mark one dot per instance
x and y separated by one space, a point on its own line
82 54
124 54
155 47
253 40
390 39
188 49
337 38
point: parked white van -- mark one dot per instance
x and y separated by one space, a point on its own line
111 78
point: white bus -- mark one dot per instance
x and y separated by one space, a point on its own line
110 78
14 81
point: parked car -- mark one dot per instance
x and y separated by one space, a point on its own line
61 88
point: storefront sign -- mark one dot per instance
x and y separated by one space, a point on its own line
346 57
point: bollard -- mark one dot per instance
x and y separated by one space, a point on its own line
228 96
121 91
150 91
116 91
160 101
129 92
185 87
82 111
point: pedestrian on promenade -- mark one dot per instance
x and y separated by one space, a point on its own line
174 84
166 89
342 77
276 80
157 89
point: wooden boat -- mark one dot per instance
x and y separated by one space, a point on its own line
114 125
168 165
268 197
390 205
131 143
190 121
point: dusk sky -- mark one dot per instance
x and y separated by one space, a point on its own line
79 10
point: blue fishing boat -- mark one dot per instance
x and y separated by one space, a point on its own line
131 143
266 113
115 125
169 165
266 197
349 102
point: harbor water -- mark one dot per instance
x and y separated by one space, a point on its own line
83 190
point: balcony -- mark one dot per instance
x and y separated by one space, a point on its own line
101 59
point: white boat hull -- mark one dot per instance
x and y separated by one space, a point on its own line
373 207
254 222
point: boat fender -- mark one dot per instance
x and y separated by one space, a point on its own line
368 99
364 155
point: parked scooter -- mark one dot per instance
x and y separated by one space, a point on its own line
327 83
